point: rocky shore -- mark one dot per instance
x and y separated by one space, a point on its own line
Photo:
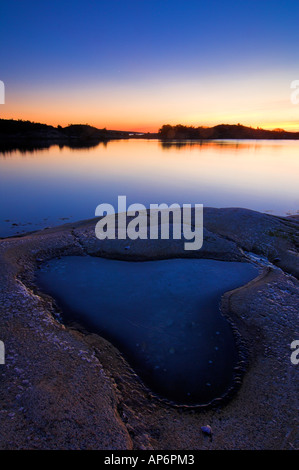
65 388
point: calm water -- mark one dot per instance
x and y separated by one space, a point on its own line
53 186
163 315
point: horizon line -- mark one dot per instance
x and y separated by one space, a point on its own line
277 128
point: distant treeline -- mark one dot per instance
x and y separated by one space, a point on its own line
222 131
12 126
23 135
26 134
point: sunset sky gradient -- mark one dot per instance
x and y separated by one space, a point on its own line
136 65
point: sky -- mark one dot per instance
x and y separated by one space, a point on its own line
136 65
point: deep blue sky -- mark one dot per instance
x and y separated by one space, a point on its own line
103 55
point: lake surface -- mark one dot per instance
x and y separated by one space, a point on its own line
53 186
163 315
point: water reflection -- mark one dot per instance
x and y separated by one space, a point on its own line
203 144
42 187
28 148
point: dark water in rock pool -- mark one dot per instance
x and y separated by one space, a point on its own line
162 315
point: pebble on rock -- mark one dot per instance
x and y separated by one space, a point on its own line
207 430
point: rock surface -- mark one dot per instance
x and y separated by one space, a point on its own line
63 388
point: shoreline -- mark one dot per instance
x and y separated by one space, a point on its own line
86 371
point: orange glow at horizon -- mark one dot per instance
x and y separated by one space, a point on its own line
144 125
145 107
